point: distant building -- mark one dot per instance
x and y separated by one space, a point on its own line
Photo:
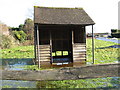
115 33
98 34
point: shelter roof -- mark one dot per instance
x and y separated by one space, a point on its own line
49 15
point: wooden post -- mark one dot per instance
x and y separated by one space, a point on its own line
93 44
72 45
38 50
72 37
35 43
51 47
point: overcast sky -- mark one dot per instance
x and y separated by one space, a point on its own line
103 12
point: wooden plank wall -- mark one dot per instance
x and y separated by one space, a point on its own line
79 54
45 55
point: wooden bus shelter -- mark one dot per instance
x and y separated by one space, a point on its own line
60 35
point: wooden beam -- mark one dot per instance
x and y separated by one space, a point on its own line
68 73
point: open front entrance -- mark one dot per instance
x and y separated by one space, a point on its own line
61 46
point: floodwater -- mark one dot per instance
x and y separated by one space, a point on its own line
109 82
106 39
20 64
18 84
17 64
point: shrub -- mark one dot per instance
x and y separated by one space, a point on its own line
6 42
19 35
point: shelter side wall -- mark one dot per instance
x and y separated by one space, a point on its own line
79 54
44 54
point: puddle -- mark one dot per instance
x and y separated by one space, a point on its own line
16 64
18 84
106 39
113 46
89 63
20 64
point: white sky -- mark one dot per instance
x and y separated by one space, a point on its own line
103 12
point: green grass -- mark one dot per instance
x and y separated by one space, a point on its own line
105 55
18 52
109 82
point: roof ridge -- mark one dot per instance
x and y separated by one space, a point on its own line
59 7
